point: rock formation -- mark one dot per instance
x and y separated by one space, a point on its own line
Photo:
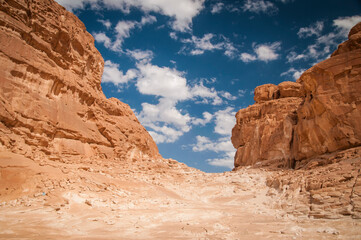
51 101
264 130
293 122
314 126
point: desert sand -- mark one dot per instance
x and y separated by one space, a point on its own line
94 199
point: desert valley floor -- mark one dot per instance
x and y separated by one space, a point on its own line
93 199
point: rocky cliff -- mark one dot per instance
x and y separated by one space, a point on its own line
314 126
294 122
51 101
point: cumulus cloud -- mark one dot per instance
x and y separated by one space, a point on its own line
71 5
344 24
228 96
209 42
246 57
296 74
267 52
262 52
216 8
165 112
103 38
112 74
222 146
207 95
122 31
182 12
229 49
200 45
259 6
224 121
106 23
162 81
140 56
166 122
148 19
314 29
207 117
293 56
324 44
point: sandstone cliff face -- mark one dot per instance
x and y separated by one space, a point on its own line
51 101
264 131
330 117
313 126
293 122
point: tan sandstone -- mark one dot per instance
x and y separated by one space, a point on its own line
314 126
75 165
51 101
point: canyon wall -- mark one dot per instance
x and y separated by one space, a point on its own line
51 101
293 122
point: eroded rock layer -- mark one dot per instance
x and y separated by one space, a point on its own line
319 114
51 101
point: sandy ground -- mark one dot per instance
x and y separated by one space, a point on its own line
98 199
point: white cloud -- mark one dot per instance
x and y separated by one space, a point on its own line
262 52
267 52
113 75
166 122
293 56
344 24
246 57
314 29
162 81
173 35
205 144
325 44
259 6
206 94
223 146
293 72
148 19
227 161
122 31
209 42
103 38
229 49
181 11
106 23
216 8
228 96
202 44
71 5
242 92
166 135
140 56
224 120
207 117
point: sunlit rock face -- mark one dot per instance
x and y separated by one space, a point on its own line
295 121
51 101
264 131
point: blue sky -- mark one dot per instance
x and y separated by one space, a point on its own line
187 66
